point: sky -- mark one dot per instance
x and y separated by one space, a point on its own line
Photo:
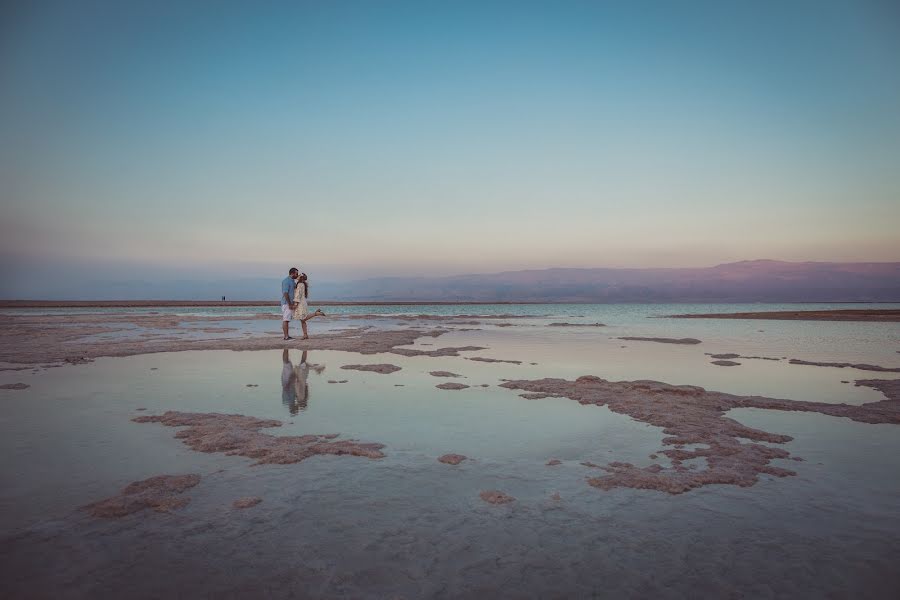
207 139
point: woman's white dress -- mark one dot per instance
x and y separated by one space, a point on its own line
302 310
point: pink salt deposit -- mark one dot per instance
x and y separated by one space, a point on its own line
693 415
240 435
161 493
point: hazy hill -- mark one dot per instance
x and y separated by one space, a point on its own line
747 281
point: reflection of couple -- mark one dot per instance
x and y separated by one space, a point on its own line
294 388
294 291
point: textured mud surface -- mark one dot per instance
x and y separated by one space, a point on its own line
14 386
240 435
725 363
161 493
693 415
75 339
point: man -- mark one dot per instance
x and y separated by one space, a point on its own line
288 284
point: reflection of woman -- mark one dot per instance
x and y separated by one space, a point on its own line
301 313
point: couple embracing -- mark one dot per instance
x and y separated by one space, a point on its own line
294 291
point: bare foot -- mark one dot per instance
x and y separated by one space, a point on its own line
305 337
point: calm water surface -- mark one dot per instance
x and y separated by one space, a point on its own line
408 526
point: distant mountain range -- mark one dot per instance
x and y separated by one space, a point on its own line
746 281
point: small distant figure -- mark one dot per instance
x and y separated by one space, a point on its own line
288 289
223 298
301 309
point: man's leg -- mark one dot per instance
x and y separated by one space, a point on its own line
285 327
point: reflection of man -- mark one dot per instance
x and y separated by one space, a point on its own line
288 381
288 285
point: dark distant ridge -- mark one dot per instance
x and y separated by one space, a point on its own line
745 281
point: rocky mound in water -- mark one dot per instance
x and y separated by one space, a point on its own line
452 459
246 502
161 493
451 386
496 497
444 374
693 415
240 435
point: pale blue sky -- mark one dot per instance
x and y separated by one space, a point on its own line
446 137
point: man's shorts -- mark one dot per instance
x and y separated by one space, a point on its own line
287 313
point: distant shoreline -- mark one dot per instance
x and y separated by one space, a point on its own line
871 315
274 303
216 303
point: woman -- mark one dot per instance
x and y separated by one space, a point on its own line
302 311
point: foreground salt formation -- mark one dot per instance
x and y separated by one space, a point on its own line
240 435
161 493
693 415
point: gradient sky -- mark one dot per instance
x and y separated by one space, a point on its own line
445 137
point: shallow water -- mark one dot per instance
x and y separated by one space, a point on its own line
409 526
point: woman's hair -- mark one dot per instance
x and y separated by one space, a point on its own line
305 285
